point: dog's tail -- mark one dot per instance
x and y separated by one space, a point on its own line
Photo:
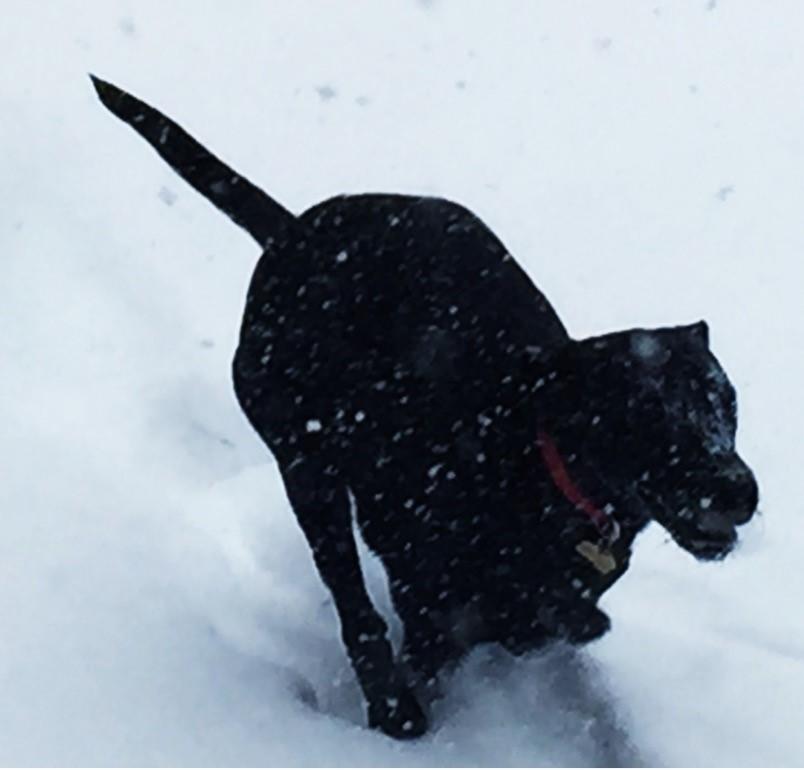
243 202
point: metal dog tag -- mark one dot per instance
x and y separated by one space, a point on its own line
601 559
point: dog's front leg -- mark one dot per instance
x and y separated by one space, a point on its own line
321 503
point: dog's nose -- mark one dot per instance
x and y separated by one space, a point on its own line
750 500
738 495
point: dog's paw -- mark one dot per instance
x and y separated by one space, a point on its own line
574 622
588 627
399 715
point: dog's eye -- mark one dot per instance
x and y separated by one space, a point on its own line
716 419
702 406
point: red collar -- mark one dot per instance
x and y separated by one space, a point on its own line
605 524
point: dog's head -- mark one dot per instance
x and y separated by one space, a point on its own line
655 416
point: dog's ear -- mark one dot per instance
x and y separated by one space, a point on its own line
650 348
698 332
653 348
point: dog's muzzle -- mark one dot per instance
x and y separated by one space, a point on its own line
703 508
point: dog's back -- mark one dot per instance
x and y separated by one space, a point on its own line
394 306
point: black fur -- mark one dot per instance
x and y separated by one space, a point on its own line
394 354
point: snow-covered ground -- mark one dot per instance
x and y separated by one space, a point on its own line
644 161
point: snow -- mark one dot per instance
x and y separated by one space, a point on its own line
644 162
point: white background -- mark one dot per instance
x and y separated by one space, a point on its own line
643 160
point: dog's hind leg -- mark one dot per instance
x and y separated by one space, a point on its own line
321 503
430 641
418 595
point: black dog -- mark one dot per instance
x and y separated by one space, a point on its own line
394 356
